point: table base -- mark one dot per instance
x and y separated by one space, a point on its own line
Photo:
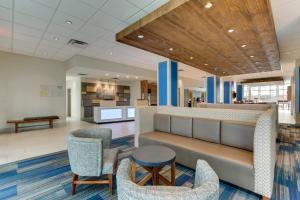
154 175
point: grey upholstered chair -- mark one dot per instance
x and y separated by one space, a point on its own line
90 155
206 186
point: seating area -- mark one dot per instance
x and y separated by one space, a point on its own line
150 99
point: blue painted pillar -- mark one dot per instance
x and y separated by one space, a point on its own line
167 83
227 92
213 89
239 92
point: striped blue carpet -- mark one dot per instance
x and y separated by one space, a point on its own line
49 177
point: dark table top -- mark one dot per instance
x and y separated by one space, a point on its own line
153 156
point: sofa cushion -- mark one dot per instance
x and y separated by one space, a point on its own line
231 164
206 129
162 122
182 126
238 134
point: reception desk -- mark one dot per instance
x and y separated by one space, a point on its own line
113 114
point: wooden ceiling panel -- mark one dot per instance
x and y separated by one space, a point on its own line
199 37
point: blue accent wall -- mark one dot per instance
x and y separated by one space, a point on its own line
163 83
239 91
227 94
210 89
174 83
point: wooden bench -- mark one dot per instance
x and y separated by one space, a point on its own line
30 120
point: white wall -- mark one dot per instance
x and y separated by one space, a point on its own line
135 91
20 80
181 91
74 83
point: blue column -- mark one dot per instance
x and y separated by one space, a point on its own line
239 92
213 89
227 92
167 83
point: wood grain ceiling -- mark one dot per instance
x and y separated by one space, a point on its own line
199 36
260 80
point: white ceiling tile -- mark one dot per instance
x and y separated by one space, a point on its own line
30 21
77 8
85 37
6 3
21 45
31 8
110 37
5 14
141 4
27 39
60 19
156 4
120 9
59 30
46 51
95 3
19 28
5 28
136 17
48 3
104 21
93 30
49 44
120 27
103 44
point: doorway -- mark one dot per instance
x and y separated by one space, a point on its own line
69 102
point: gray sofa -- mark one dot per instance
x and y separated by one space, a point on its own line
226 145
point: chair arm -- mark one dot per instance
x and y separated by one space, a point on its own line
204 174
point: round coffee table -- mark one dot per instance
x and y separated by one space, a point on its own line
153 159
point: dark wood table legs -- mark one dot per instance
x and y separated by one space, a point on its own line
154 175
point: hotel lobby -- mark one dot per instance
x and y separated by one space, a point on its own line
150 99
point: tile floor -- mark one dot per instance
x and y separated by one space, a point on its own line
28 144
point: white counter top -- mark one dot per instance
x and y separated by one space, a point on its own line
113 114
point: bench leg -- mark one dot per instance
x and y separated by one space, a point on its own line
51 123
16 128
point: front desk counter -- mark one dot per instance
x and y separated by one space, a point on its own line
113 114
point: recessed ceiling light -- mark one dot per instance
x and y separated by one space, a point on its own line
224 72
69 22
251 56
106 74
208 5
118 75
55 38
230 30
127 76
136 77
141 36
244 45
205 64
171 49
191 57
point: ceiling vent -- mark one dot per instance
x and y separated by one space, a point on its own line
78 43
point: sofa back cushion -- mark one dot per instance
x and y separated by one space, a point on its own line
182 126
162 122
238 134
206 129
